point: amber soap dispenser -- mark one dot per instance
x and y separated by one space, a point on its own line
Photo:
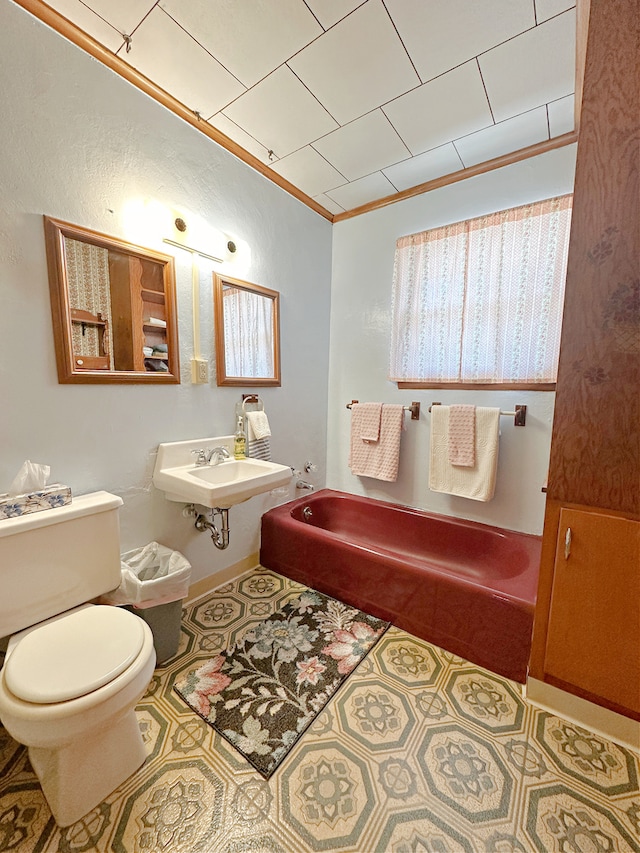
239 441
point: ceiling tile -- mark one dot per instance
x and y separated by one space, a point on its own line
124 15
532 69
165 53
362 191
328 203
238 135
324 92
562 116
89 21
329 12
450 106
425 167
546 9
439 36
357 65
281 113
308 171
363 146
509 135
249 39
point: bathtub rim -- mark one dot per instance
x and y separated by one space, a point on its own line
410 509
507 590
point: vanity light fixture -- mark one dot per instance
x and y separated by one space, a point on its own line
193 250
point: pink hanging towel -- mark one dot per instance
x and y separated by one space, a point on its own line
369 417
462 436
378 459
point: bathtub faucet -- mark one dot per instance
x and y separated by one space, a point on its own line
302 484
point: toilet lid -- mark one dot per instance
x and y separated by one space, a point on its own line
73 654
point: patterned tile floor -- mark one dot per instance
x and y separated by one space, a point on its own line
419 752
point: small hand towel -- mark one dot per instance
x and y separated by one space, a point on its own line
462 436
257 448
369 416
259 423
477 483
378 459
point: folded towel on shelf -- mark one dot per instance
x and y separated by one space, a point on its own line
462 436
258 448
369 417
378 459
477 483
259 424
155 365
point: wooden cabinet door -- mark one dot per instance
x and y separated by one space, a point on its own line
126 311
593 638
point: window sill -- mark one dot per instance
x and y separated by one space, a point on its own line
472 386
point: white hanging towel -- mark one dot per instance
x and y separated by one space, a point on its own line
477 482
259 424
258 436
378 459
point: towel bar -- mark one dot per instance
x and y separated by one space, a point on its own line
414 408
519 416
252 398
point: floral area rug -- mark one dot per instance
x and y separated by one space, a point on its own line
262 694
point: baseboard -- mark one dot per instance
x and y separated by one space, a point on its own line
602 721
215 581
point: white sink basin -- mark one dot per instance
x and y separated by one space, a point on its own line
216 485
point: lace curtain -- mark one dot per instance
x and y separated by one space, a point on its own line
248 334
481 301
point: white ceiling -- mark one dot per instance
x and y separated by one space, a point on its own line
352 101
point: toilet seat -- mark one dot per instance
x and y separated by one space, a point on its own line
73 654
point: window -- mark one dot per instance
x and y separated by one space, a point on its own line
480 302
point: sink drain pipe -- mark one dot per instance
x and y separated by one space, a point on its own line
220 536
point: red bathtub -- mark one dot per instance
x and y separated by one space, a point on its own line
466 587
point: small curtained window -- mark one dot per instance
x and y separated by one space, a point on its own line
480 302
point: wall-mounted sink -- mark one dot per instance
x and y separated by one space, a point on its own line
215 485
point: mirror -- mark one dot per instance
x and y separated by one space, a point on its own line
247 319
113 306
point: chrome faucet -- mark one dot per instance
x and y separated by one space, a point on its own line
205 455
202 456
219 453
302 484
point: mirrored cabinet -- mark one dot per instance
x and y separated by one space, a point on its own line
113 307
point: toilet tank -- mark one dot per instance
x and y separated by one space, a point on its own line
58 558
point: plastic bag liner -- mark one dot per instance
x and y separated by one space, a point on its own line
150 576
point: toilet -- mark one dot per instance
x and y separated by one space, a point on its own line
73 671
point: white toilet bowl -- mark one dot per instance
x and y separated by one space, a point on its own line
68 690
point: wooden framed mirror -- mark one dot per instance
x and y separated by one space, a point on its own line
247 320
113 306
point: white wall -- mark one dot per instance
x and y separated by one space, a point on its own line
78 143
363 252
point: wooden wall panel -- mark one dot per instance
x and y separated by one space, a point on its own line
595 451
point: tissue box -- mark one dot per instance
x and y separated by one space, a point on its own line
48 498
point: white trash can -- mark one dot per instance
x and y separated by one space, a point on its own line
154 581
